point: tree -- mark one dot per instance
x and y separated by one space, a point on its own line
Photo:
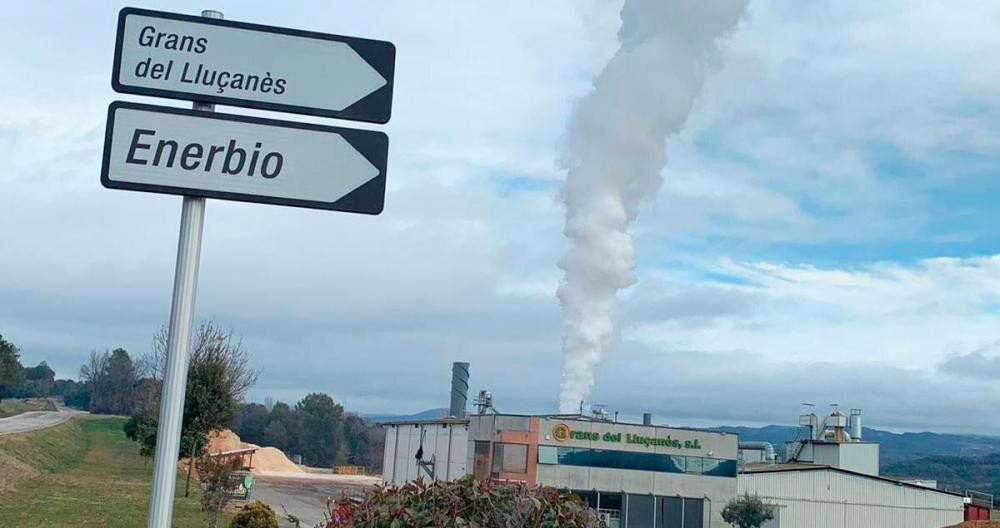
11 371
120 379
320 431
217 486
112 380
251 422
38 382
218 378
748 511
277 436
363 441
93 373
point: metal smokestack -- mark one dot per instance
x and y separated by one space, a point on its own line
459 388
647 418
856 425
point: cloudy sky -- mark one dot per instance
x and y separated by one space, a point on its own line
826 231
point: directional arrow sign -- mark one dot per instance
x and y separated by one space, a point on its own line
235 63
231 157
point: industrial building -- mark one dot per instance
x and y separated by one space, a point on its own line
634 475
645 475
830 478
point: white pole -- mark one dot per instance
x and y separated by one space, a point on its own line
168 434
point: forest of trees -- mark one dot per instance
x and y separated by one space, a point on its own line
317 428
18 381
219 376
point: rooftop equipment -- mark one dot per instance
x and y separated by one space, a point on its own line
484 402
856 424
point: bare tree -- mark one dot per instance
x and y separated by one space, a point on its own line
214 344
209 343
94 372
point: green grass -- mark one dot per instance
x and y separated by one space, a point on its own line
12 406
90 476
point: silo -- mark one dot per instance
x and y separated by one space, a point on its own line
459 388
856 424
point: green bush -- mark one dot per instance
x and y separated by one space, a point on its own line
468 503
255 514
747 511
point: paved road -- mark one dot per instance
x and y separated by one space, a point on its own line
303 498
32 420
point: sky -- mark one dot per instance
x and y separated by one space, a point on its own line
824 233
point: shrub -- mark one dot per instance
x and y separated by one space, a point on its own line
464 503
747 511
255 514
217 486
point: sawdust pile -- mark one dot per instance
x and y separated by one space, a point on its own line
264 459
272 459
225 440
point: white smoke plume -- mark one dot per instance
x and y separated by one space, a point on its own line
614 150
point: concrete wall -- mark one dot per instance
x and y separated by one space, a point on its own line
444 443
828 498
861 457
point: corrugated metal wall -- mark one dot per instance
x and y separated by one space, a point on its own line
832 499
446 444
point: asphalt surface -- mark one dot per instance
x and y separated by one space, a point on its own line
33 420
303 498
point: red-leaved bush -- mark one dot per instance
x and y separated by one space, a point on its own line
461 504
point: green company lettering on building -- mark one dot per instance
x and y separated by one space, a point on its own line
635 439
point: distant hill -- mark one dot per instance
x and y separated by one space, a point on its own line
429 414
894 447
953 473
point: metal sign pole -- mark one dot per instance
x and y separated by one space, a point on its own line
168 434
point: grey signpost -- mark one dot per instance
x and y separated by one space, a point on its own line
201 154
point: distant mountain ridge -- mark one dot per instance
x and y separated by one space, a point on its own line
429 414
894 447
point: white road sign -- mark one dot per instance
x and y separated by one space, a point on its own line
232 157
235 63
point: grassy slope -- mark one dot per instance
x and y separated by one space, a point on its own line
12 406
91 476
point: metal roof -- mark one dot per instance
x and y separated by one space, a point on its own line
785 468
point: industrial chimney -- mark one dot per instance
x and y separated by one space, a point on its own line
647 418
856 425
459 388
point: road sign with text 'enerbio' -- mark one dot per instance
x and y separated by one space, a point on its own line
234 157
240 64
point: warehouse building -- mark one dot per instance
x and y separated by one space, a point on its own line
634 475
815 496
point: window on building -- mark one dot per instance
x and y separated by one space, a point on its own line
588 497
671 514
481 461
548 455
609 509
640 511
510 458
694 513
605 458
694 466
719 468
